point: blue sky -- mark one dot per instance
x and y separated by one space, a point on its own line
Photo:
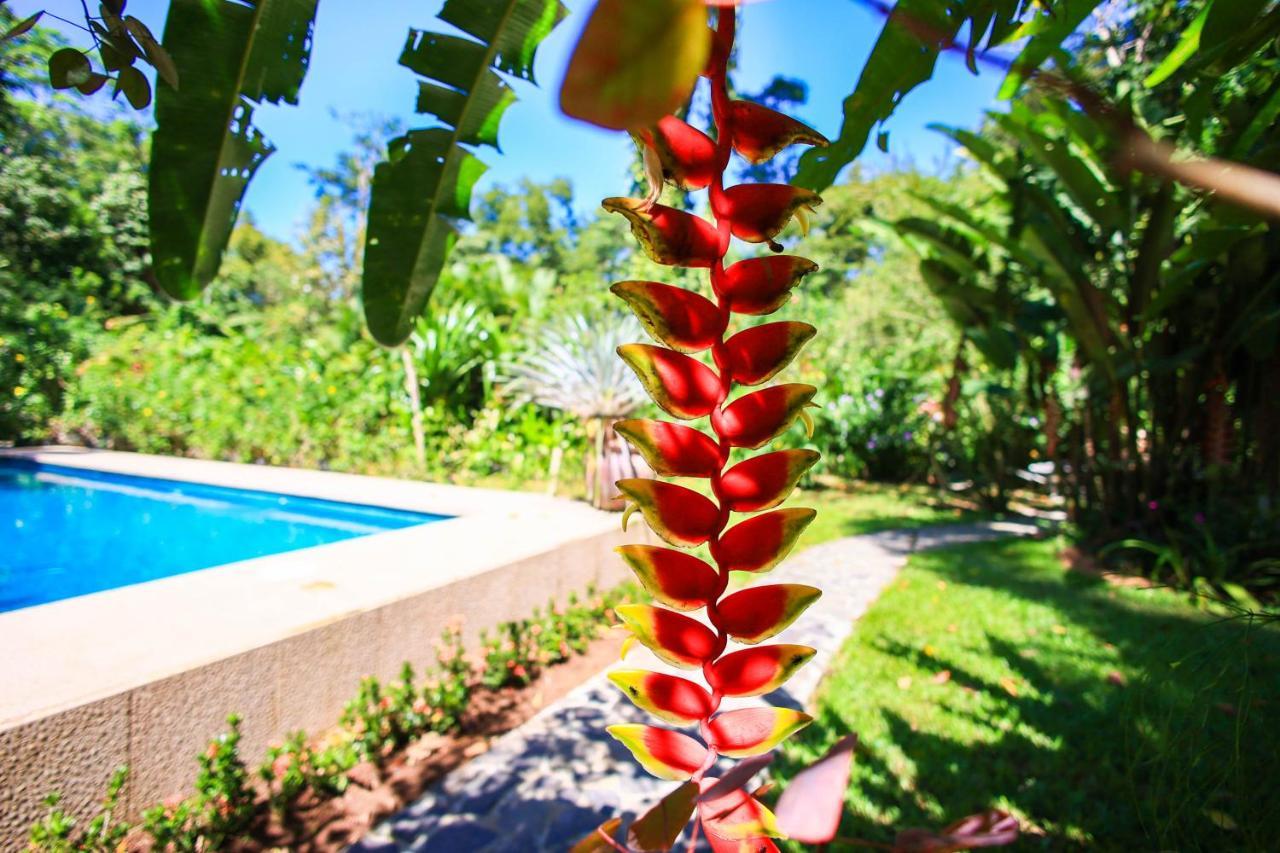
353 68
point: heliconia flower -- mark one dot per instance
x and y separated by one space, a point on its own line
763 285
684 387
740 845
672 450
759 133
756 355
686 323
759 612
759 212
679 318
757 670
736 816
764 481
674 578
677 639
664 753
753 731
669 236
680 516
755 419
687 155
760 543
668 697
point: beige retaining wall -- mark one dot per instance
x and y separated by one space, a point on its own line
144 675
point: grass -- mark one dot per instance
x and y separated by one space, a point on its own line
986 676
857 507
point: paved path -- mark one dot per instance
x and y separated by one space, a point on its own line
546 784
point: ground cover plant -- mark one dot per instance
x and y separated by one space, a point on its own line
1101 714
294 797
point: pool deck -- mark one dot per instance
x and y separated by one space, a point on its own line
145 674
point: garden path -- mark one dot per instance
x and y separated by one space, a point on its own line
546 784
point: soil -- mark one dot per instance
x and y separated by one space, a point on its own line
376 791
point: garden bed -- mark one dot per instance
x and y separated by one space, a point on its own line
323 792
377 791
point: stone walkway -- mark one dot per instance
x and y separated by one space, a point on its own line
546 784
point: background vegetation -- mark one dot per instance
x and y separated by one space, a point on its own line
1034 302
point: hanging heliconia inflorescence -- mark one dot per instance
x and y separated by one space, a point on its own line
687 323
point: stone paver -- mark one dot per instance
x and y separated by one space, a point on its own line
549 782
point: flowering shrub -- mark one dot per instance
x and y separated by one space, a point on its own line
294 767
222 807
877 429
521 649
383 720
448 688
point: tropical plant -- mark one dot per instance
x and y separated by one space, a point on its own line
571 366
686 323
1142 316
230 57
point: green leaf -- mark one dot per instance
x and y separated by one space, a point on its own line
1182 51
156 55
424 188
904 56
135 86
69 68
21 27
1230 19
1046 32
230 57
1084 179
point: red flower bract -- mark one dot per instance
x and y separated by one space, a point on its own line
669 236
759 133
688 155
759 212
762 285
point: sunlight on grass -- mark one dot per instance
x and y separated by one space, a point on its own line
862 507
987 676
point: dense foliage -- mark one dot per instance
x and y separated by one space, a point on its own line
272 363
1142 317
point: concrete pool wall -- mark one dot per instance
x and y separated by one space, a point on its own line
144 675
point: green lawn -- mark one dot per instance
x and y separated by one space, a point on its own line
861 507
1119 718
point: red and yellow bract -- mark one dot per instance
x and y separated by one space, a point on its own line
687 327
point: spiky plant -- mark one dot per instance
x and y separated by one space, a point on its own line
573 366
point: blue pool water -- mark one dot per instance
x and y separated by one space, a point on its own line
67 532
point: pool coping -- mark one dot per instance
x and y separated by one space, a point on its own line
333 611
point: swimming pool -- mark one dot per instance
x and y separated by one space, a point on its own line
66 532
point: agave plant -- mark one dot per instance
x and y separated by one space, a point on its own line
573 366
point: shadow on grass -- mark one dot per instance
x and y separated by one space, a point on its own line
1114 718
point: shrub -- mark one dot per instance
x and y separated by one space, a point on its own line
56 832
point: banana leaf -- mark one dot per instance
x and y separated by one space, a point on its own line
423 190
205 150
